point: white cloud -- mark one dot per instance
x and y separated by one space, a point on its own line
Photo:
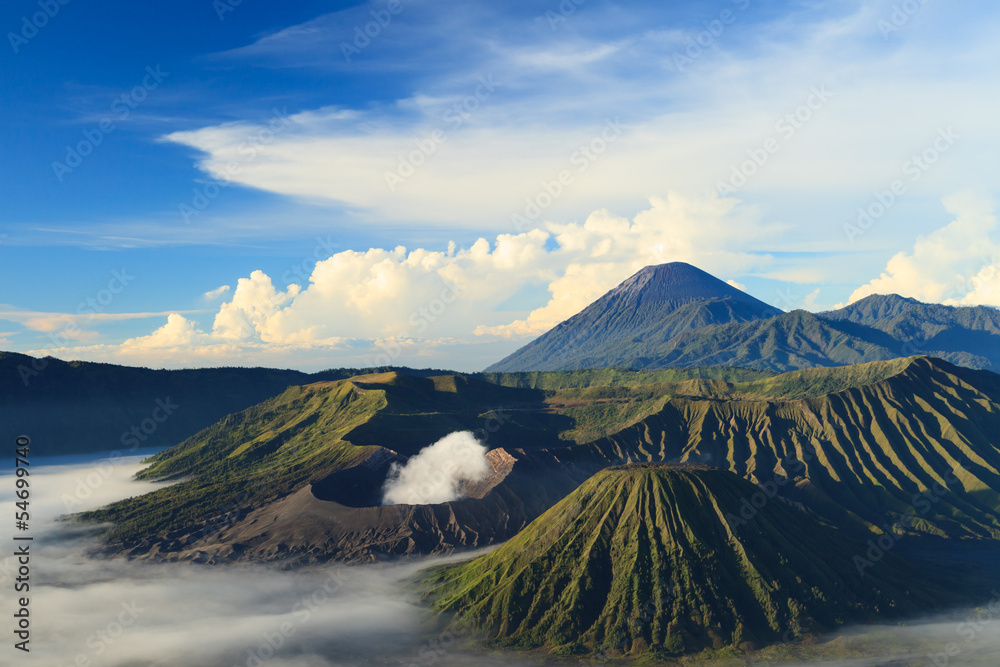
740 286
685 130
985 287
212 295
254 302
68 323
711 233
433 307
956 264
810 302
441 308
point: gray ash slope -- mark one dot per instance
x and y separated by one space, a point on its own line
677 316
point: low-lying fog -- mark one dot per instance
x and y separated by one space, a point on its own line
91 611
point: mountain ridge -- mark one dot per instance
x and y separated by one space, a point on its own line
644 560
714 325
859 446
653 305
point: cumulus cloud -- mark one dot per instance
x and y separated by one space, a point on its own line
393 306
956 264
985 288
436 473
739 286
254 302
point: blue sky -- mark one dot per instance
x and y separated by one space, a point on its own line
280 188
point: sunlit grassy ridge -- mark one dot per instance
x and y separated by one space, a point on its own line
554 380
248 458
856 445
918 445
650 560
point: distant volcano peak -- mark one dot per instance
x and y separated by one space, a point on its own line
639 316
677 282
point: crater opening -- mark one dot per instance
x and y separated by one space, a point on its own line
363 485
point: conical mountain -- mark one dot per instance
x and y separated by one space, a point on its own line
667 560
678 316
639 316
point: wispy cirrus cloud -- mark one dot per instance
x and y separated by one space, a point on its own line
46 322
686 129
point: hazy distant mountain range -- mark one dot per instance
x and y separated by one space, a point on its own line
74 407
675 315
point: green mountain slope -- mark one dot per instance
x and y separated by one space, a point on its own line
264 453
248 459
794 340
77 406
644 559
909 442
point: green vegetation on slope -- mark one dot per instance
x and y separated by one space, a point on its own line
605 377
908 440
277 447
75 407
248 458
645 559
916 447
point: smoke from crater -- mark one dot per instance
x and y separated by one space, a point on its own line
436 473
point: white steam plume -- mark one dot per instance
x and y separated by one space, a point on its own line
436 473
